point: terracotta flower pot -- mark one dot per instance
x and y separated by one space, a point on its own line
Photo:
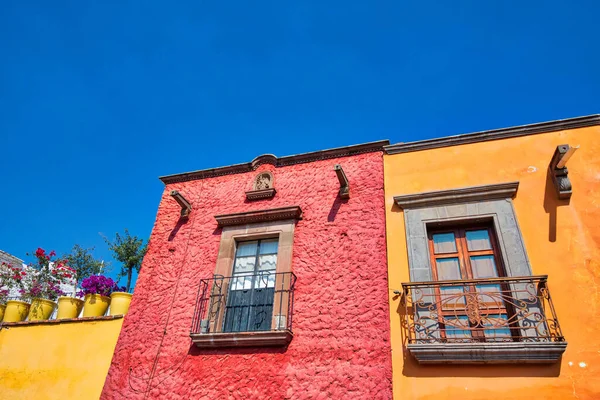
95 305
2 308
69 307
119 303
41 309
16 311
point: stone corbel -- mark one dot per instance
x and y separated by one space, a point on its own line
559 172
344 184
186 207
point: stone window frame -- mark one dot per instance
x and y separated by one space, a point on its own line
468 205
471 205
277 223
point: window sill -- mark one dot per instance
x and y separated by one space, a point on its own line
242 339
488 353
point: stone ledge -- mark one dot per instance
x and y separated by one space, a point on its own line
242 339
260 194
488 353
60 321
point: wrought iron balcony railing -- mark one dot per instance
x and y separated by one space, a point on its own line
515 309
244 304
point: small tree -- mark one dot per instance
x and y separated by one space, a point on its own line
129 251
84 263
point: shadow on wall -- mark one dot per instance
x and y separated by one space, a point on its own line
411 368
180 223
551 204
335 207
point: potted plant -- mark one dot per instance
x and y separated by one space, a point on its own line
120 300
15 310
41 296
130 251
41 284
85 265
96 290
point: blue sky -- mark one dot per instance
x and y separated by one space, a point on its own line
100 98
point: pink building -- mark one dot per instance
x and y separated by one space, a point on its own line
263 280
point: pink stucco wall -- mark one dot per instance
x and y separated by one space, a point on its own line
341 326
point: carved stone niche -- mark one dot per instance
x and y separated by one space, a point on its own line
262 187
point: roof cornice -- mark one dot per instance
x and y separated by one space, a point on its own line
495 134
277 161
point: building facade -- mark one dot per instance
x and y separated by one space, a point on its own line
493 249
263 280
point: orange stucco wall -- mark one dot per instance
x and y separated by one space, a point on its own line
562 240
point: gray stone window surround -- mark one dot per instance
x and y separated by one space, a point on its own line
472 204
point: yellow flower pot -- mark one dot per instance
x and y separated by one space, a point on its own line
41 309
119 303
16 311
2 308
95 305
68 307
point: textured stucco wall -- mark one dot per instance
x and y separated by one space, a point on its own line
562 240
341 319
67 360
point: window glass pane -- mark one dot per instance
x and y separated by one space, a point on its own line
457 328
448 269
268 246
483 267
444 243
492 295
478 240
267 262
244 265
496 327
246 249
242 282
265 279
452 297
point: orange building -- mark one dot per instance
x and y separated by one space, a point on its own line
493 260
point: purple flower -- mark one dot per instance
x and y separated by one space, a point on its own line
97 284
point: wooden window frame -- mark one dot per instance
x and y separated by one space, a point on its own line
463 254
